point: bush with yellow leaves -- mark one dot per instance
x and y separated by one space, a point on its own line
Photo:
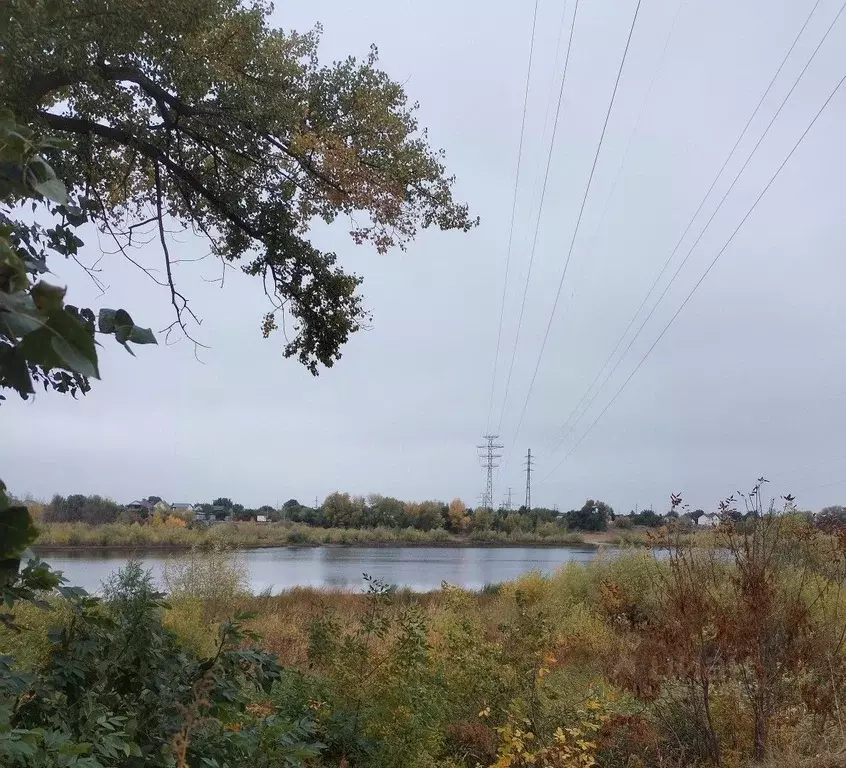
574 746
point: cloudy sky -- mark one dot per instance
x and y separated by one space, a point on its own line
748 380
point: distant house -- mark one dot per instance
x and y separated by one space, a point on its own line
161 506
709 520
207 513
143 507
181 506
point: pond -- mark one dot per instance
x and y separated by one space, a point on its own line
279 568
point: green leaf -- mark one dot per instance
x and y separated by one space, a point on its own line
80 748
73 344
56 142
12 172
19 301
20 315
135 334
75 358
12 268
17 532
37 349
15 325
106 320
142 335
14 372
48 297
122 317
52 189
46 183
119 322
62 343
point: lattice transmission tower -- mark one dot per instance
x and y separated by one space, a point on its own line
489 453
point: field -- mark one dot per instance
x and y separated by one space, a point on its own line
729 653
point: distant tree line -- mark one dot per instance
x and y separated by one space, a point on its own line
344 510
338 510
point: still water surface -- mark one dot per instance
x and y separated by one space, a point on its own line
278 568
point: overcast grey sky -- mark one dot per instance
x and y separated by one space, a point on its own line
749 380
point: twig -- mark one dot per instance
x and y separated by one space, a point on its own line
178 300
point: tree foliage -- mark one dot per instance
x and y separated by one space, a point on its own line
43 339
202 113
85 509
459 520
647 517
593 516
831 517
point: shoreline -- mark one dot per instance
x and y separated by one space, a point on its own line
51 548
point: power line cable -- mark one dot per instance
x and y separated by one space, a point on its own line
683 235
513 207
687 229
536 186
578 222
540 210
702 278
659 67
549 100
539 168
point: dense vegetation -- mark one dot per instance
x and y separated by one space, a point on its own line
721 654
249 535
80 520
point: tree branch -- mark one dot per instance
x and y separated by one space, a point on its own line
154 153
175 296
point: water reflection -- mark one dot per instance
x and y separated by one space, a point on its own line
275 569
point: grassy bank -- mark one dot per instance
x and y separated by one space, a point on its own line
253 535
624 662
597 664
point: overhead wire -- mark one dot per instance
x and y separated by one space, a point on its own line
702 278
784 101
540 211
646 99
549 100
513 210
578 222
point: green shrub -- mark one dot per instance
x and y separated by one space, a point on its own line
118 689
214 576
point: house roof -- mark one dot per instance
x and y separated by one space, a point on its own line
181 505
